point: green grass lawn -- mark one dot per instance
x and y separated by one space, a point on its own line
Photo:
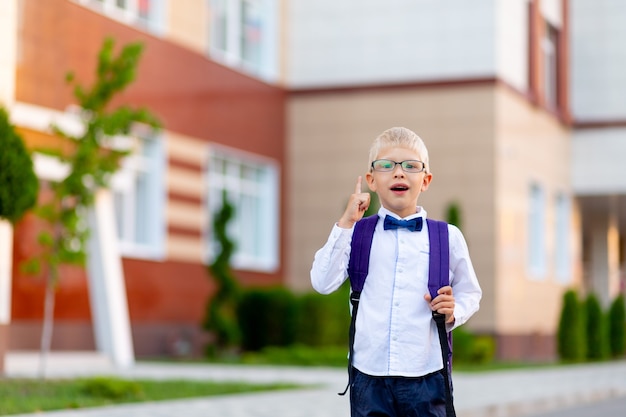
19 396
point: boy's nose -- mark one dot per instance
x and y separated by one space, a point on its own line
398 171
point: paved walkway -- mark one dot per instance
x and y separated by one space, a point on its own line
490 394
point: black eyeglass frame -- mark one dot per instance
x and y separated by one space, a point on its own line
401 165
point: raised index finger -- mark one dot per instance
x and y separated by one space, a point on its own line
357 190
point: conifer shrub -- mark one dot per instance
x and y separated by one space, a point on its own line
596 329
571 342
617 327
221 309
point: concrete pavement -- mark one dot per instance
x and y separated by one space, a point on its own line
489 394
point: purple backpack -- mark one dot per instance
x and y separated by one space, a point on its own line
438 277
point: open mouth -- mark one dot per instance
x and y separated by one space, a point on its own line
399 187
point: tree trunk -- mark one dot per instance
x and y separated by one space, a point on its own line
48 324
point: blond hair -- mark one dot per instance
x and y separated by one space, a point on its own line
399 137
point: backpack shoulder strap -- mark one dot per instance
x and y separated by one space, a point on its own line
438 276
361 246
358 267
439 256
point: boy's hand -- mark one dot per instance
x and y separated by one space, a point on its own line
443 303
357 205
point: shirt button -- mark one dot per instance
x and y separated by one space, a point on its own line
396 304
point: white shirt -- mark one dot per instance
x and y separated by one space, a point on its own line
395 332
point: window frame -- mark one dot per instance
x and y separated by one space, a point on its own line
266 229
550 58
125 189
227 35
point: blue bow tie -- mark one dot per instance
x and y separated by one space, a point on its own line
414 225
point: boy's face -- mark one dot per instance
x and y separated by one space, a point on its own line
398 190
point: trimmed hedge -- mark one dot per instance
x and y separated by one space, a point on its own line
324 320
267 318
277 317
272 318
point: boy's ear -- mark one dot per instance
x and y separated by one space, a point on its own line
370 181
426 182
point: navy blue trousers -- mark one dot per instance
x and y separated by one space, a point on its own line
375 396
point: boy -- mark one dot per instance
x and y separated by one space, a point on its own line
397 355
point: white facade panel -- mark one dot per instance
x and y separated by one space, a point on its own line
598 60
353 42
552 11
598 161
512 23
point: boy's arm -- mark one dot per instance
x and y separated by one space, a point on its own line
330 265
463 280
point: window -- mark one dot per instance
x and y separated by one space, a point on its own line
549 49
250 184
147 14
244 34
562 259
536 232
139 200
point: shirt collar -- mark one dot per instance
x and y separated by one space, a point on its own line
419 212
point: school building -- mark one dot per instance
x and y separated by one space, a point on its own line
521 106
520 103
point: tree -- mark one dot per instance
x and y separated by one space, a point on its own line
221 310
18 181
18 193
92 160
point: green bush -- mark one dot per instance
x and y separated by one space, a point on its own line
596 329
571 336
267 317
19 185
468 348
484 350
617 327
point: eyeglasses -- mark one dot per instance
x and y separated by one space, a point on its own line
387 165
